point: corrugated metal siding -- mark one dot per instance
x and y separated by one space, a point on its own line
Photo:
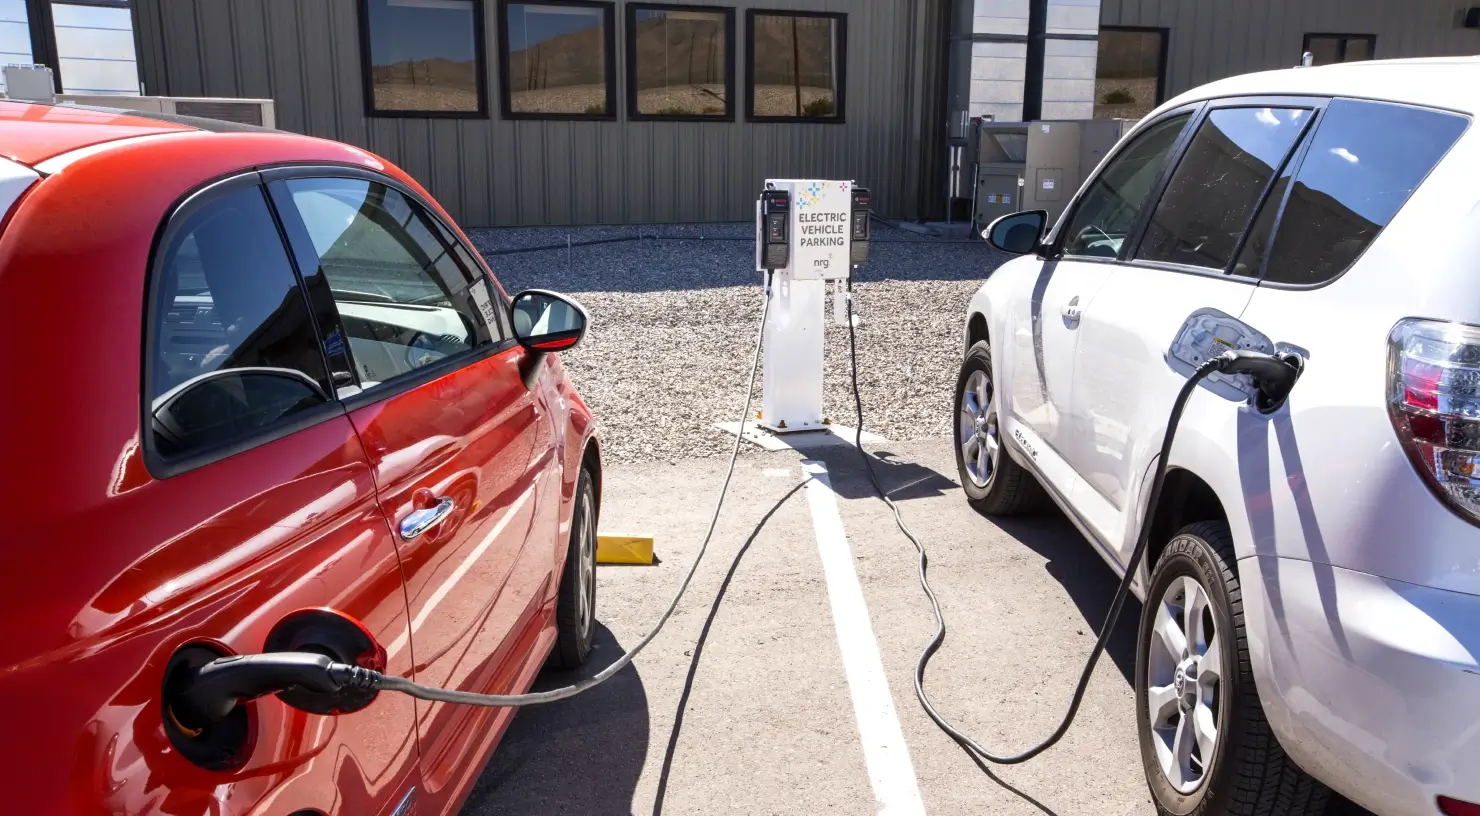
1212 39
304 54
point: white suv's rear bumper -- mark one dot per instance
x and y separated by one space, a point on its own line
1371 685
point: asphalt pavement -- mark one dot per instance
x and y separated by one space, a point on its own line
742 705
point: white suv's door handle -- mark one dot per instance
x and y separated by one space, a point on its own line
1070 311
419 521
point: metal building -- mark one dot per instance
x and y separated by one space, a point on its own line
505 155
619 111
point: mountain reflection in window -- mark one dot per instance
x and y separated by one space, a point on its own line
557 59
424 56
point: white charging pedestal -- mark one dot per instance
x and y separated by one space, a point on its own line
821 212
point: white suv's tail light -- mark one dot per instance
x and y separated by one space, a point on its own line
1434 401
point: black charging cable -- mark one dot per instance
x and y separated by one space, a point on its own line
1274 376
208 693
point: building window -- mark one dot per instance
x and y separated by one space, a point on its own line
95 47
1130 72
15 35
678 62
1329 49
797 67
557 60
425 57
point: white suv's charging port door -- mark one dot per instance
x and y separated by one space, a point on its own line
1208 333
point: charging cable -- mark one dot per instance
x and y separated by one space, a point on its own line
1274 376
216 688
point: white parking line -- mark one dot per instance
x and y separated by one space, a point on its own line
885 753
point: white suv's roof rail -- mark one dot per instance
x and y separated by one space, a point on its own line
1450 83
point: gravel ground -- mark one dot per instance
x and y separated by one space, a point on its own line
674 325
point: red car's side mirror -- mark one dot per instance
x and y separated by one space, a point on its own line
545 321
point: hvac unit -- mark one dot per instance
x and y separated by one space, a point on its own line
257 112
1061 155
1000 150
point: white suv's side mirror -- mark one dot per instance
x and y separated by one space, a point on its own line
1018 233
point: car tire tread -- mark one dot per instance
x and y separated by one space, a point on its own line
1012 490
1264 781
572 647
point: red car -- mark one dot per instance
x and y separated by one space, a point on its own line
276 377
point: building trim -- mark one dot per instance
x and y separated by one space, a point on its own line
1033 65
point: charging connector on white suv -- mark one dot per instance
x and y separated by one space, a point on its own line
1207 334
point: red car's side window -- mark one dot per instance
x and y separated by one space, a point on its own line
404 297
232 349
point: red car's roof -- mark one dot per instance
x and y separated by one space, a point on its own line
34 133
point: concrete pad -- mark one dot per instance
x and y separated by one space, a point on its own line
830 436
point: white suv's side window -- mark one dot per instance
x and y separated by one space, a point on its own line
1218 183
1366 159
1109 209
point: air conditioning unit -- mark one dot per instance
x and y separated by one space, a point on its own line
30 83
258 112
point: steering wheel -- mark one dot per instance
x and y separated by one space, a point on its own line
1081 236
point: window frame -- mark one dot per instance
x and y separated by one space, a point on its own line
318 295
1342 39
629 40
367 71
1161 58
840 81
158 465
43 34
506 98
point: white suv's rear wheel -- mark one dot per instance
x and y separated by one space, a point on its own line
994 483
1205 745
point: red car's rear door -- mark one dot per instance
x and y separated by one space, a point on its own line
455 441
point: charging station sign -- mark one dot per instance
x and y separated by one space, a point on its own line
821 215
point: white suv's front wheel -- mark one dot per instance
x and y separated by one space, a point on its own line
995 484
1205 745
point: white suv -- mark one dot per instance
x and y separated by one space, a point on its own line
1312 587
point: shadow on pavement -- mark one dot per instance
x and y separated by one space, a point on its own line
698 650
903 479
1091 584
578 756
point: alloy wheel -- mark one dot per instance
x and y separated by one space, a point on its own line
977 431
1185 683
586 571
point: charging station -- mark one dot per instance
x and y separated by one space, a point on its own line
808 232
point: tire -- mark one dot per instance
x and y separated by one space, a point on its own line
575 620
1008 489
1249 773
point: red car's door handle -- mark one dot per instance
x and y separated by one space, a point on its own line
419 521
